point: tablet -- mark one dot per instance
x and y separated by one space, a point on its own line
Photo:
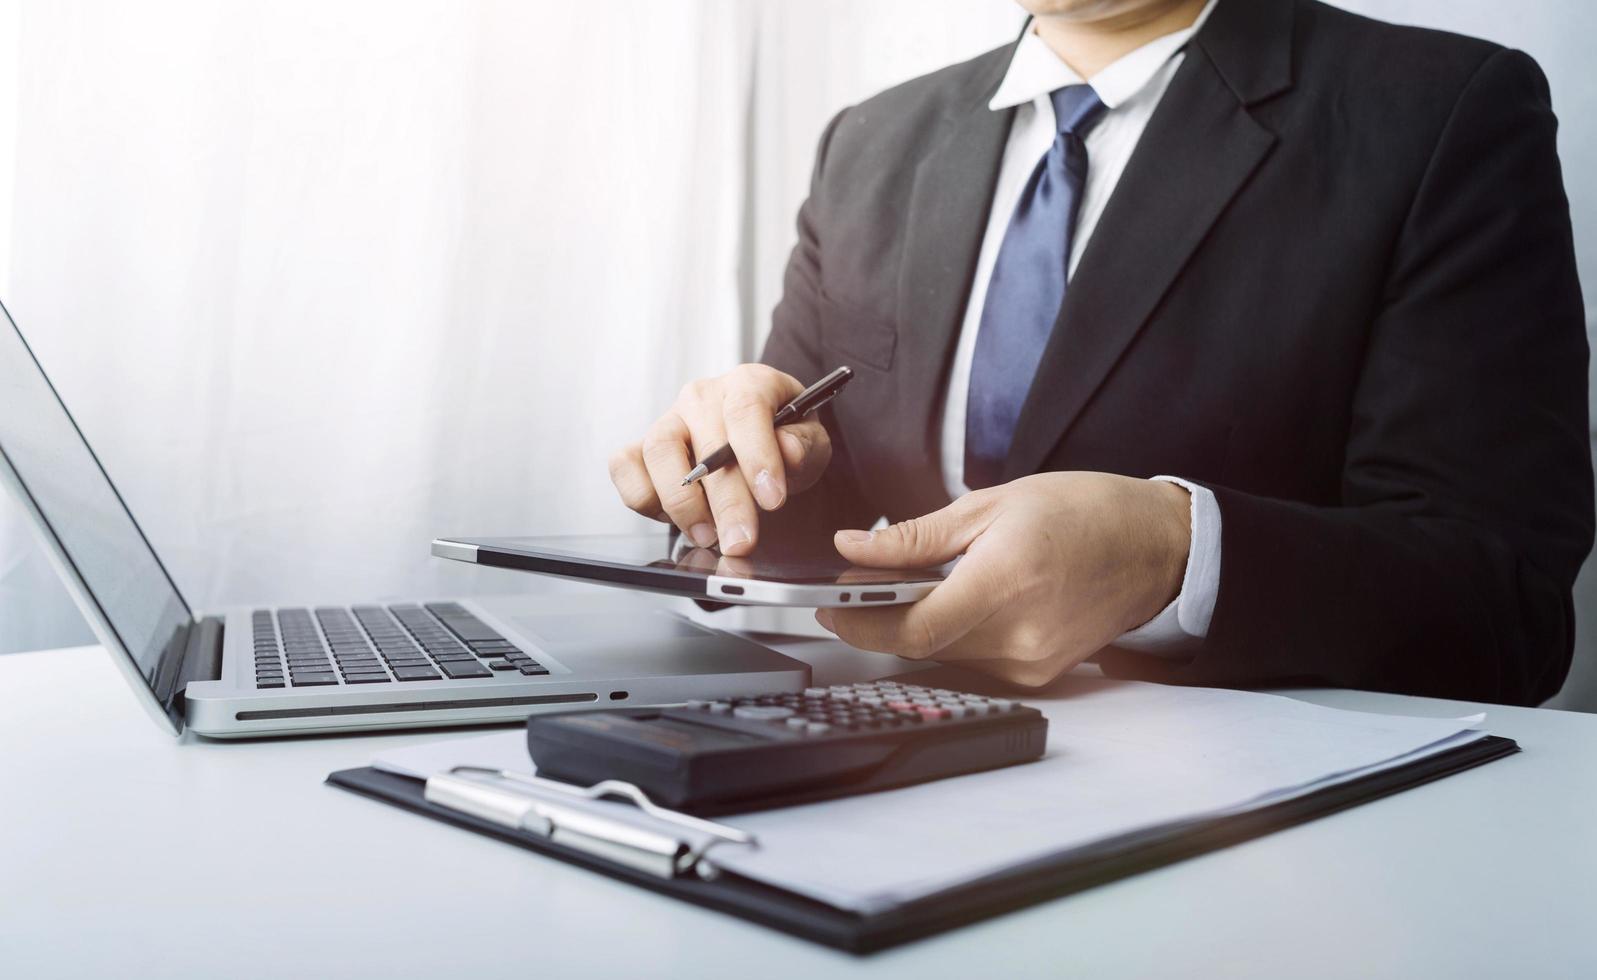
655 563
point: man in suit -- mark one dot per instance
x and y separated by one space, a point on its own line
1242 338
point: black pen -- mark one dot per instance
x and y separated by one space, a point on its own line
808 401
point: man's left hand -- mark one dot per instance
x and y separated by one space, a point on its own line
1056 567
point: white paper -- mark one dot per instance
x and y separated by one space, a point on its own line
1122 756
501 750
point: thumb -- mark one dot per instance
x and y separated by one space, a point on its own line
930 539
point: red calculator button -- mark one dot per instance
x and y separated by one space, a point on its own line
933 713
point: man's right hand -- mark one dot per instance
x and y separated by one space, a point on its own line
735 408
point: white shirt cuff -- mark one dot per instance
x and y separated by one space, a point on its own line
1187 617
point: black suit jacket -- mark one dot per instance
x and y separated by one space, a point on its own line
1335 283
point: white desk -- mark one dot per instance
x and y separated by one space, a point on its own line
124 852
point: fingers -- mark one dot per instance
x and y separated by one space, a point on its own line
919 629
806 450
729 500
775 463
1029 651
991 646
749 430
665 458
737 410
632 483
733 506
1001 637
930 539
1021 673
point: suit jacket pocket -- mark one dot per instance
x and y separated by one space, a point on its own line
857 336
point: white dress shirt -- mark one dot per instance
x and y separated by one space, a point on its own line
1130 89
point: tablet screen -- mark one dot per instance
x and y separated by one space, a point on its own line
656 553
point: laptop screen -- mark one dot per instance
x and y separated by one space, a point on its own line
75 504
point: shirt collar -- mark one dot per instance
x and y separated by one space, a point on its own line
1035 70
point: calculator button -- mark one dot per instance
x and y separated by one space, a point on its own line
1001 704
762 712
933 713
899 705
817 728
957 711
719 707
815 692
796 722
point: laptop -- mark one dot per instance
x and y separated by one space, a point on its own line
275 671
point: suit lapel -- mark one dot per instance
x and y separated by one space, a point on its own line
947 216
1198 150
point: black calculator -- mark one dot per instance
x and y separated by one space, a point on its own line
774 750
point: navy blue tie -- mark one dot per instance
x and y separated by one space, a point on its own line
1027 288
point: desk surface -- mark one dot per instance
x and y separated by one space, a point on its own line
126 852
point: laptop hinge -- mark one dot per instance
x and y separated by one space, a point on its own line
202 659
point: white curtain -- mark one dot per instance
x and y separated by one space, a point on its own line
324 280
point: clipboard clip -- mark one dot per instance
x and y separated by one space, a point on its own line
544 807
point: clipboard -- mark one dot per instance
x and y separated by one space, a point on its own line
689 873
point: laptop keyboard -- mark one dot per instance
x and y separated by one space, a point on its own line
381 645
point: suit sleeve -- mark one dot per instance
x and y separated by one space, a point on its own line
806 522
1466 501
